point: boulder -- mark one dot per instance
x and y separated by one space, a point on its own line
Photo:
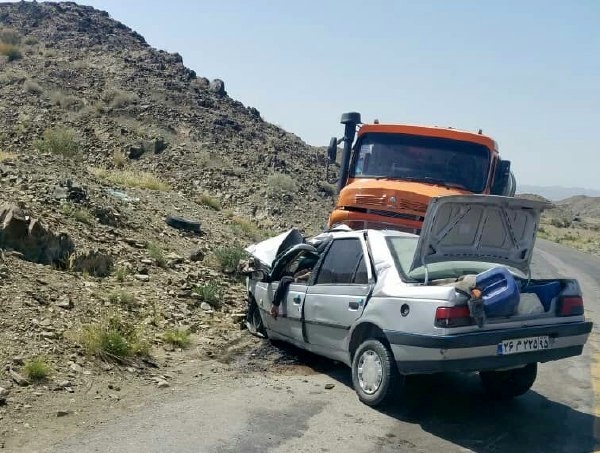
217 86
32 239
93 262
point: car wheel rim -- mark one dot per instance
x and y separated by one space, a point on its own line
370 372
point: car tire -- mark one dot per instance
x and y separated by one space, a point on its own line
180 223
254 321
376 384
504 385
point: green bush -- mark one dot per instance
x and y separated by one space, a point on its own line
245 227
120 273
157 254
124 299
130 178
11 52
31 40
11 37
60 141
66 101
228 258
177 337
113 338
211 202
560 222
36 369
117 99
280 185
209 293
81 215
32 87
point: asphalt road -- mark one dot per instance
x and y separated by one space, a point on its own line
293 412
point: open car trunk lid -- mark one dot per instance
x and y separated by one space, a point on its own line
483 228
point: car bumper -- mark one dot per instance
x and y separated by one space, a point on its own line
416 354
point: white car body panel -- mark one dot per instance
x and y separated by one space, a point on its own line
329 319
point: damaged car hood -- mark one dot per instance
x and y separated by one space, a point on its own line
483 228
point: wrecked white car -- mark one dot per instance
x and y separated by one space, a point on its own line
388 304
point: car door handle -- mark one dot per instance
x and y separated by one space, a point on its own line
355 305
297 299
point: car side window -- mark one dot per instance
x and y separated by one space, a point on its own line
344 264
300 268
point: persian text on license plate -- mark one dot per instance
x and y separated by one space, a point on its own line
529 344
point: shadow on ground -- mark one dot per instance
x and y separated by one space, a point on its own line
454 407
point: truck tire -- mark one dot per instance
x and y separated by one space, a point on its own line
504 385
374 373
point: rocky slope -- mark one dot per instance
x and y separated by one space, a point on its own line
101 138
582 206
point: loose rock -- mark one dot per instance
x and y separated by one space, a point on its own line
19 380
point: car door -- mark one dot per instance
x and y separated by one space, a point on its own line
337 297
289 322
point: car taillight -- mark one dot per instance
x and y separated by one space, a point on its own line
570 306
453 316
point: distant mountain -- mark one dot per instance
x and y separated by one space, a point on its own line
556 193
582 206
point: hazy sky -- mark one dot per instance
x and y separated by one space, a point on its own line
526 72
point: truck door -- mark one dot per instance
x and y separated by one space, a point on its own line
338 296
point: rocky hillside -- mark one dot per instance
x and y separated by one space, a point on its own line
77 71
582 206
103 139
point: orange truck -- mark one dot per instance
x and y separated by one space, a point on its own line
391 171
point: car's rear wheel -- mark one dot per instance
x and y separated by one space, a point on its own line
504 385
254 321
374 373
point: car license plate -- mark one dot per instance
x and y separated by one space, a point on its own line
517 345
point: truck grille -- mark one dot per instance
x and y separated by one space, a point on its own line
370 200
411 205
396 215
383 201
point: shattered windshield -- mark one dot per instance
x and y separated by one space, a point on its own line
403 251
426 159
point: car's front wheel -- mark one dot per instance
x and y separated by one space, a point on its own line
374 373
508 384
254 321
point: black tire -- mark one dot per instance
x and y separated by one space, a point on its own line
375 350
504 385
183 224
254 321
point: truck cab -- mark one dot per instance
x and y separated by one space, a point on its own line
391 171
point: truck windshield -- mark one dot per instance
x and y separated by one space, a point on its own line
430 160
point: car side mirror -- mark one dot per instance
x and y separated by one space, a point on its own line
332 149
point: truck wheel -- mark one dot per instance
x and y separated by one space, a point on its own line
504 385
374 373
254 321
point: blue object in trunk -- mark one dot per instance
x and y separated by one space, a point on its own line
499 290
546 291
